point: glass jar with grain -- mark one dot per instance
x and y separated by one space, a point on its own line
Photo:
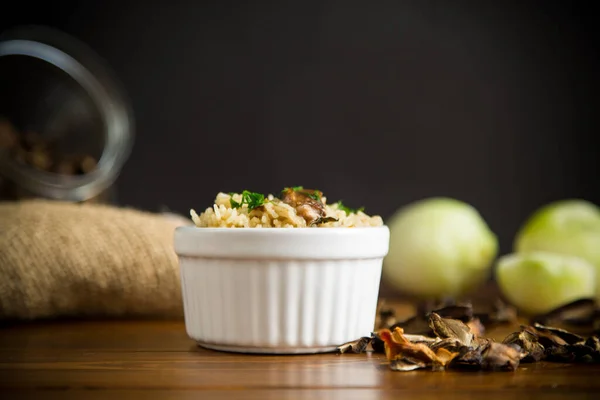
66 128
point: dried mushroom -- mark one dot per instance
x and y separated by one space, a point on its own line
502 357
579 312
421 339
444 358
308 204
545 337
450 344
476 327
566 336
470 359
438 342
558 345
447 328
399 348
594 343
356 346
528 342
419 324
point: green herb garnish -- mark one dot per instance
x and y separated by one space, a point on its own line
312 193
314 196
293 189
348 210
234 204
252 199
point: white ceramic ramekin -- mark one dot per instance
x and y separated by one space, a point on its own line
280 290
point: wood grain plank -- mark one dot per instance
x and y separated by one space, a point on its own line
156 360
316 394
244 374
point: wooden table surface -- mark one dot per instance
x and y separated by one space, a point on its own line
156 360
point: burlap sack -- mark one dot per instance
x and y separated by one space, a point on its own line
63 259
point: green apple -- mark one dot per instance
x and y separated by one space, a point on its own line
570 227
439 247
538 282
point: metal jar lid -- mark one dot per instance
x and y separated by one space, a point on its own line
51 82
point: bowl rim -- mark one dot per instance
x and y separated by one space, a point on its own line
282 243
286 229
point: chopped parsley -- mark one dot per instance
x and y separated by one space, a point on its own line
348 210
252 199
316 195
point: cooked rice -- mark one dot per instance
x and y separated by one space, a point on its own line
274 214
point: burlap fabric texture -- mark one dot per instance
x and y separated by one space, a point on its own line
63 259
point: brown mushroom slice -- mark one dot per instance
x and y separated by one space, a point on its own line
582 352
356 346
556 348
377 344
566 354
546 338
451 328
450 344
419 324
307 203
476 327
529 343
470 359
421 339
570 338
593 343
579 312
398 347
500 356
418 351
482 343
444 358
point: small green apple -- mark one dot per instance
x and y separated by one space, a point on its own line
538 282
439 247
570 227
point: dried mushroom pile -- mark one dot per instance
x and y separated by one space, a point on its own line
452 337
32 150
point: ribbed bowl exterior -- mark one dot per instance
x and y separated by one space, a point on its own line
279 306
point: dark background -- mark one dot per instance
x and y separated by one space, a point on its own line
379 103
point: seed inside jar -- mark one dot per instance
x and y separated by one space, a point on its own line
32 149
